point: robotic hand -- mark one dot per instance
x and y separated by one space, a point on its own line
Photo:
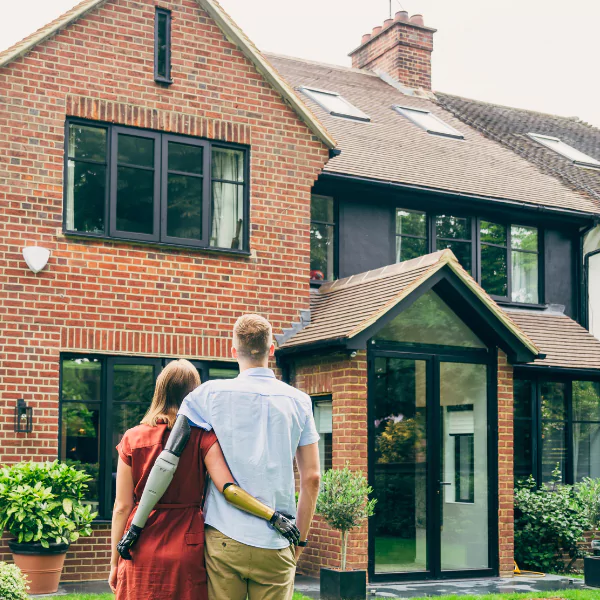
282 523
128 541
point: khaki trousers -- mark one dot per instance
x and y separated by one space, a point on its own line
236 571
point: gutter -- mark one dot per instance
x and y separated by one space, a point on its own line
471 197
570 371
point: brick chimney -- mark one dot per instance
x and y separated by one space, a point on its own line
401 48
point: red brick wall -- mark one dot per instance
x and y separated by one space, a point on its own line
346 380
506 524
402 50
114 296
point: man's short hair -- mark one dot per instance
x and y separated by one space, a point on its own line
252 337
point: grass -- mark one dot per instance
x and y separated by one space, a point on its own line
565 594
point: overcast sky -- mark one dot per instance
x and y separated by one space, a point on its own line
535 54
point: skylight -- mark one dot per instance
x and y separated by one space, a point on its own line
428 121
579 158
335 104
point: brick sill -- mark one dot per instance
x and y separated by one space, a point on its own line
154 246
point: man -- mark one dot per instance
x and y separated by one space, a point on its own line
261 424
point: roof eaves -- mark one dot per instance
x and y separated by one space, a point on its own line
47 31
235 35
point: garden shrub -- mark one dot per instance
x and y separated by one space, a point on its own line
13 585
588 494
549 521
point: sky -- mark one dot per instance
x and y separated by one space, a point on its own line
536 54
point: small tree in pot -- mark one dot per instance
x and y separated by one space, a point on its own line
344 503
41 506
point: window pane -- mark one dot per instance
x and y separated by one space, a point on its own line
523 431
228 164
525 277
586 450
321 252
222 373
185 158
323 412
80 441
321 209
184 207
457 228
86 197
553 400
135 200
133 383
409 222
586 401
161 58
524 238
227 216
429 320
135 150
464 468
87 143
81 379
428 121
492 233
553 449
407 248
523 398
462 251
494 270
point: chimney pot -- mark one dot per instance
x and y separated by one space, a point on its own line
387 23
365 38
417 20
401 15
376 30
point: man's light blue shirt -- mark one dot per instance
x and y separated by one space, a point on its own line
260 422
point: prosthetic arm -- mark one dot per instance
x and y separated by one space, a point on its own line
161 476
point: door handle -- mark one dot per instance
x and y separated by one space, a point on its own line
445 483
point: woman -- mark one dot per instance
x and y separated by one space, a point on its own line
168 562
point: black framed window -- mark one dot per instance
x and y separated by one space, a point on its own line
524 247
162 46
411 234
456 233
144 185
323 413
494 258
464 468
557 424
101 398
322 238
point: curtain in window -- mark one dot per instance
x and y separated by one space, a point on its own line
227 198
525 277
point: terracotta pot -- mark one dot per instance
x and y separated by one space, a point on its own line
42 566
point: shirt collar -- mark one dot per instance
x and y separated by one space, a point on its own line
257 372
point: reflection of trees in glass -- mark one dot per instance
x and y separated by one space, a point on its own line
133 383
92 469
586 401
79 420
400 441
81 379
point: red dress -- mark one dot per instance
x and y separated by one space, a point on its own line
168 559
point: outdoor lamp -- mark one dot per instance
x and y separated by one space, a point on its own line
36 257
23 417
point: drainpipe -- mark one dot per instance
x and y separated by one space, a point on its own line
585 308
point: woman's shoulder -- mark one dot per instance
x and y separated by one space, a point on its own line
144 435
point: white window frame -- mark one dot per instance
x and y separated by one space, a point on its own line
558 144
353 113
406 111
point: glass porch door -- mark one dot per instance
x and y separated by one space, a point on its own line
429 466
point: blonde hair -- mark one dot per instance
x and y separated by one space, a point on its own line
175 382
252 337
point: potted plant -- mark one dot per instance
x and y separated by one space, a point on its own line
13 585
41 506
344 503
588 495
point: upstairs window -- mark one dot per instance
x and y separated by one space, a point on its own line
429 122
525 261
162 46
411 234
143 185
574 155
322 238
456 234
335 104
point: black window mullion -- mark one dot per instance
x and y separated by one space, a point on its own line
570 456
509 262
105 454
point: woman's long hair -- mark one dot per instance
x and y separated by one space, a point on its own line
175 382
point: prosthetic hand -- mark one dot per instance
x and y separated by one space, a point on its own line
281 522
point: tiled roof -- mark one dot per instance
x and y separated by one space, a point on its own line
565 343
229 28
510 127
392 149
346 307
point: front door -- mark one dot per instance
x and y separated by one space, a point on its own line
430 464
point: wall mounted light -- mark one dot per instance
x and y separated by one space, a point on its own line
36 257
23 417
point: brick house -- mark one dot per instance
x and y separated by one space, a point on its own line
415 279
